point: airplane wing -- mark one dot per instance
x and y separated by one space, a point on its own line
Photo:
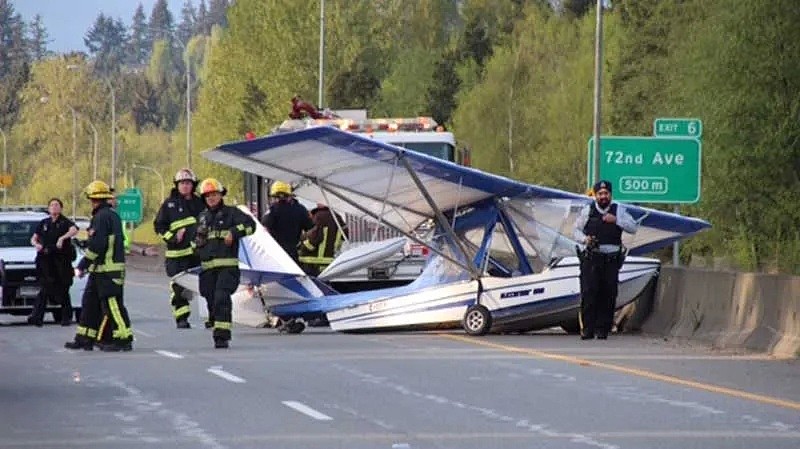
352 173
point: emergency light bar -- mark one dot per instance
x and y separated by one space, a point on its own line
419 124
24 209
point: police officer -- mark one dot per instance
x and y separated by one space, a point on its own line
54 256
286 219
322 241
599 228
176 223
104 259
219 230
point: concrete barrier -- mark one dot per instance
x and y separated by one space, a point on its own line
727 310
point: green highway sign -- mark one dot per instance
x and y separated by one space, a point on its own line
649 169
678 127
129 205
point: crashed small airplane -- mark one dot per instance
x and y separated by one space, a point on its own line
503 258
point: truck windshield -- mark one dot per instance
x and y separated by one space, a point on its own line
16 234
442 150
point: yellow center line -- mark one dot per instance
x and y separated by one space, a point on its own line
785 403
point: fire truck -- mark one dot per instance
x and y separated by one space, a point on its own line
421 134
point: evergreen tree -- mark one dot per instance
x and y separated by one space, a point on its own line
139 45
201 24
14 63
187 26
38 38
107 41
218 13
162 24
442 93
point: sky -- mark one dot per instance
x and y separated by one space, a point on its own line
67 21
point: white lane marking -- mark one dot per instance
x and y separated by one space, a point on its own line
143 333
306 410
169 354
218 371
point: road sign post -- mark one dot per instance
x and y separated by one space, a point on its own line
678 127
650 169
129 205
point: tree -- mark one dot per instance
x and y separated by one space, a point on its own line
187 25
441 95
162 24
38 38
218 13
107 41
202 24
577 8
14 63
139 44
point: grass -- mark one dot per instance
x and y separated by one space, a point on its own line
144 233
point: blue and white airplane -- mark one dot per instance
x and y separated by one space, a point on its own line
503 258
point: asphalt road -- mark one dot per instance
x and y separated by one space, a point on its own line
394 391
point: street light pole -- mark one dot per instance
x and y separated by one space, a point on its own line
160 177
5 165
113 134
321 50
94 151
74 161
598 70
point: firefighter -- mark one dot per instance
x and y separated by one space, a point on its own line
104 259
322 241
54 256
219 230
176 223
599 228
286 219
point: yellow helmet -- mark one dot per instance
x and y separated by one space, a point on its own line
98 190
280 187
211 185
185 174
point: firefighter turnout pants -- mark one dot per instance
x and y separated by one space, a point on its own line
219 284
178 295
599 283
103 315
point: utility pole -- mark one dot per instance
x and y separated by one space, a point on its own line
320 87
5 166
74 162
598 78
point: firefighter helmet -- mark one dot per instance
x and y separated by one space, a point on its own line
185 174
98 190
280 188
211 185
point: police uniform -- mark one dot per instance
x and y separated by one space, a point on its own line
322 241
600 262
54 268
219 260
286 219
104 259
179 212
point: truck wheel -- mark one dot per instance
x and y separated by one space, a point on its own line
295 327
477 320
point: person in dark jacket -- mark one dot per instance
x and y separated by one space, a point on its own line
54 255
322 241
176 223
104 260
599 228
220 228
286 219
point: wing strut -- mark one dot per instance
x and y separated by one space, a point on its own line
416 239
440 216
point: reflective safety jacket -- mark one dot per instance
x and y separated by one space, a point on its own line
178 213
213 226
105 251
323 240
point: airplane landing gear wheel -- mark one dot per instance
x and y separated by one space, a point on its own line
477 320
293 327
